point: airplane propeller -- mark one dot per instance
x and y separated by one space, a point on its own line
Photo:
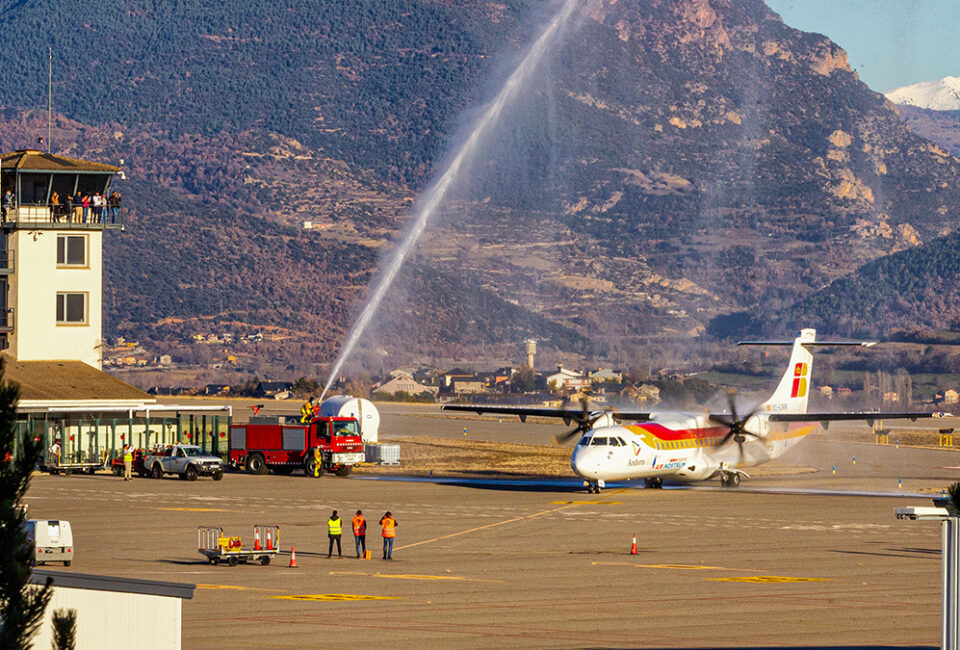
735 424
584 422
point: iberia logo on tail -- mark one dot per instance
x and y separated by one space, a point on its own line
799 380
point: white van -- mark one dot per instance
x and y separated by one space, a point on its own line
51 539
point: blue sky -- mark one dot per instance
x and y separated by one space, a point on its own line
890 43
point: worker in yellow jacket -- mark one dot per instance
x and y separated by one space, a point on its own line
306 411
334 530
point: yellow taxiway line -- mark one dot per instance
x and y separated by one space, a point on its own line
330 597
568 504
237 588
680 567
769 579
408 576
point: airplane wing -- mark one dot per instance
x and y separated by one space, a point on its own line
867 416
566 414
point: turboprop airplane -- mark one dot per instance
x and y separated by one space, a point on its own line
657 445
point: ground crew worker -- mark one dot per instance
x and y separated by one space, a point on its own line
306 411
334 530
317 462
55 452
389 526
360 532
127 462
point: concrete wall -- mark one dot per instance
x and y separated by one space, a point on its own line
34 285
112 619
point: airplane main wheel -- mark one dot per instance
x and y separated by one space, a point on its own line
655 482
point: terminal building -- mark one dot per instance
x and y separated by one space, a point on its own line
55 213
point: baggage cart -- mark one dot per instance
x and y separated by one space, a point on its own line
77 462
212 544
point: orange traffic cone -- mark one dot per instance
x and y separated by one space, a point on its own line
633 547
256 539
269 541
293 557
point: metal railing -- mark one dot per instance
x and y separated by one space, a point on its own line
62 216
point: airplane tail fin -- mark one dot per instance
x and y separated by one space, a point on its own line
794 387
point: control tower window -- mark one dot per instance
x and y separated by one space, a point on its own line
71 250
71 308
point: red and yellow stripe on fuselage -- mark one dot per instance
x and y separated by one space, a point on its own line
660 437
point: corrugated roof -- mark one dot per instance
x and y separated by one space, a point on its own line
67 380
31 160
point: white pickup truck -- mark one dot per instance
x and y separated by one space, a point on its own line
187 461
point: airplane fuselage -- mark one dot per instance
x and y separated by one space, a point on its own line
679 446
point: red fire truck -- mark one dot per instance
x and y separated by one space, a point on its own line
288 447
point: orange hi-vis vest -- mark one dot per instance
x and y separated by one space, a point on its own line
359 525
389 527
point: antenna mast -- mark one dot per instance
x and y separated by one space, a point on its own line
49 94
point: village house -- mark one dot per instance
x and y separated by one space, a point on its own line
403 382
606 376
565 379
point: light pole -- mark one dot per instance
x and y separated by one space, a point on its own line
950 522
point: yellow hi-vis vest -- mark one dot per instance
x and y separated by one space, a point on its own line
128 455
334 526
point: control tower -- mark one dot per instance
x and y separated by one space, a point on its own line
51 261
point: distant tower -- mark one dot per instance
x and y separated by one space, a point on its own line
531 347
51 268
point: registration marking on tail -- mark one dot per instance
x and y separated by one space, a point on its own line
769 579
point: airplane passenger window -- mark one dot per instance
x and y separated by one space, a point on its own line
598 442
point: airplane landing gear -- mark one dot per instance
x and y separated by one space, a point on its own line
594 487
729 479
655 482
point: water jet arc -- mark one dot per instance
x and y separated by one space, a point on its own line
438 191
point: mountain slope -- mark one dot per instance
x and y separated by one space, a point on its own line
671 161
917 286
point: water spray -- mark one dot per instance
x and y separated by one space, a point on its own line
437 192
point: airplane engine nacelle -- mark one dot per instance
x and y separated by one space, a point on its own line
697 471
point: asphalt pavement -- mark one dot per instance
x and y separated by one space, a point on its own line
807 554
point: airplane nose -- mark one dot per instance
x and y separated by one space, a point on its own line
585 465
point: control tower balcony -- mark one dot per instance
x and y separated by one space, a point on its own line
45 191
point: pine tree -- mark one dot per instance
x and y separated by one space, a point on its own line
21 605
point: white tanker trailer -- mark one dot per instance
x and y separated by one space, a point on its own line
347 406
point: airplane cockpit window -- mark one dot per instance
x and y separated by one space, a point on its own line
622 443
598 442
584 441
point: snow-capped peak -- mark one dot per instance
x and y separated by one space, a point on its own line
940 95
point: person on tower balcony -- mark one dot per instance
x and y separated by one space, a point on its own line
9 202
114 205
